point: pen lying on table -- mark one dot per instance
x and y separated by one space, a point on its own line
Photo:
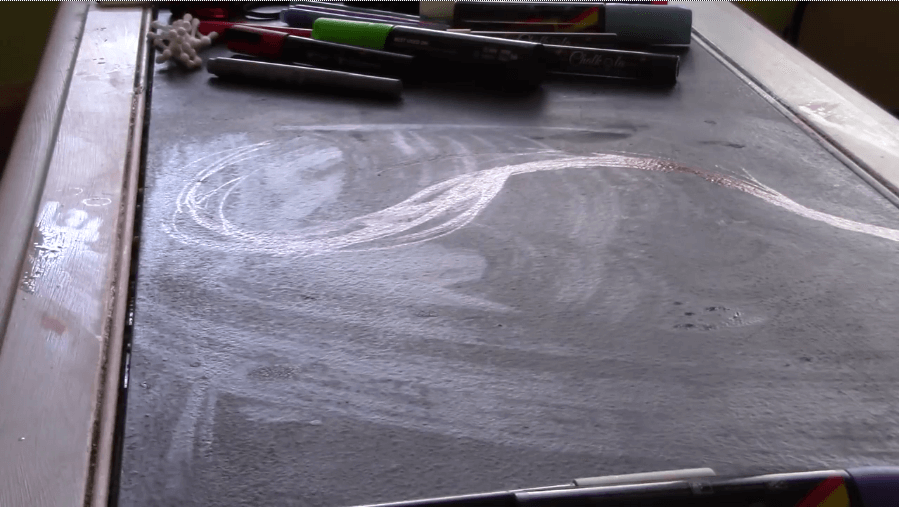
648 24
388 49
860 487
288 48
304 77
391 50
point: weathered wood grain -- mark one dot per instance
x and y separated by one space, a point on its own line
53 364
29 159
103 461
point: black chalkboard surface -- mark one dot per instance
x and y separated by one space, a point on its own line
345 301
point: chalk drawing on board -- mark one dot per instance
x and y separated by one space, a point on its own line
201 217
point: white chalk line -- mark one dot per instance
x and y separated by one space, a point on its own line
436 211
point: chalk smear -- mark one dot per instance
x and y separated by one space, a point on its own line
433 212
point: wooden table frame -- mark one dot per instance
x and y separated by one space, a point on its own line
69 199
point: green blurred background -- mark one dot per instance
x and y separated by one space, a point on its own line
857 41
24 27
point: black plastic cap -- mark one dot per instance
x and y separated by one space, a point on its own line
665 70
877 486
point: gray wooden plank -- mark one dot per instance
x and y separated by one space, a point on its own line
26 168
55 346
103 461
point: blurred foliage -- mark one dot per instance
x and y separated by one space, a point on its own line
24 27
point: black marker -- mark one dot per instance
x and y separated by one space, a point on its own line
442 53
859 487
579 39
610 63
292 75
288 48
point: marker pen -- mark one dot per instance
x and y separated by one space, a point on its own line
306 77
648 24
304 17
580 39
205 27
353 8
611 63
858 487
804 489
444 54
522 26
287 48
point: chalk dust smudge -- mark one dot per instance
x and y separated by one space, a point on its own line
431 213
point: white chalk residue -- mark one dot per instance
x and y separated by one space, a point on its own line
435 211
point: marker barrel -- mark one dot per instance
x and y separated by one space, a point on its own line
609 63
875 488
304 17
354 8
647 24
444 54
280 47
220 27
493 60
583 40
304 77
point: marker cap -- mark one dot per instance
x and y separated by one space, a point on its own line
354 33
649 24
255 41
